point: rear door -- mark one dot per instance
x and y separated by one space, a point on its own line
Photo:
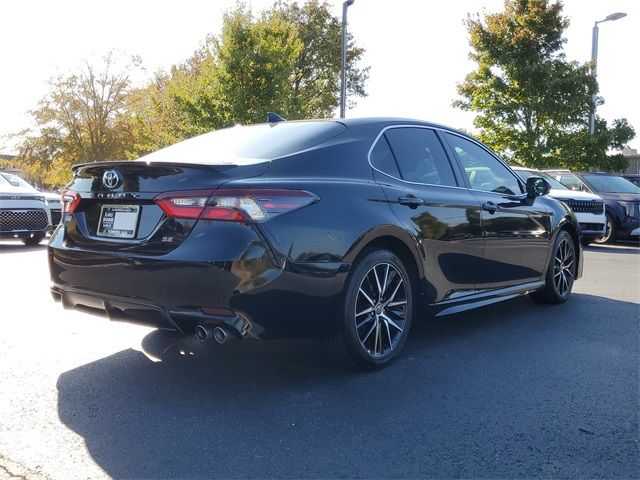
426 194
516 229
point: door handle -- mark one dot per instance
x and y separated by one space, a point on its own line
410 201
489 207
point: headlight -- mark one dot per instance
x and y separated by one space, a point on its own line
629 208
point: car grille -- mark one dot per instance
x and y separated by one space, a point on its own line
585 206
23 220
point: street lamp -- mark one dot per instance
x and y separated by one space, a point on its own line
343 78
594 62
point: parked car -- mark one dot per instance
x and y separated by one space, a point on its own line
621 197
632 177
337 230
24 213
589 208
53 199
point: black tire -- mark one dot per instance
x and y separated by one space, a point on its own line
561 271
33 239
609 231
389 319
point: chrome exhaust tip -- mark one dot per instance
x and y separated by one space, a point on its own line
220 335
205 333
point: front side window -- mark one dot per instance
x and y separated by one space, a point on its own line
573 183
420 156
485 172
525 174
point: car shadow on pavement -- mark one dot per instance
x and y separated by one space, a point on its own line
497 392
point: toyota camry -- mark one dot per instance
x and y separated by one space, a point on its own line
338 230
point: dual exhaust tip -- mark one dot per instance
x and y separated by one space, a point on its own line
205 333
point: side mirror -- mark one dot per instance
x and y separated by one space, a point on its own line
15 183
537 186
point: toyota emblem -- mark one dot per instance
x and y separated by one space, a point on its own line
111 179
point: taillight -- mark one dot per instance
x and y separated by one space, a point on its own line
233 205
70 201
188 204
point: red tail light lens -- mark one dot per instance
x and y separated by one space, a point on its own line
70 201
234 205
188 204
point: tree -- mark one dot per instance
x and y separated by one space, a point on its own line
79 120
316 70
532 104
285 59
255 60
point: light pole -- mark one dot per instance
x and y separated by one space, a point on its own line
343 77
594 62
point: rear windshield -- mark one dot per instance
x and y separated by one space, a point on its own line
246 145
611 184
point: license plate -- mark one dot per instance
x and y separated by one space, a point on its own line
118 221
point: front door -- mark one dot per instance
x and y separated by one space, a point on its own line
516 229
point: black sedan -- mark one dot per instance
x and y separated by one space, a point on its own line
339 230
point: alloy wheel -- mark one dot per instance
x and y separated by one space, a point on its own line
381 310
563 267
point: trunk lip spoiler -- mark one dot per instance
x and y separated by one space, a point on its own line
116 163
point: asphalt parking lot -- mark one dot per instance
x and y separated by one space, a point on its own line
515 390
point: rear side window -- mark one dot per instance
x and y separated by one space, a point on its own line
485 172
382 158
420 156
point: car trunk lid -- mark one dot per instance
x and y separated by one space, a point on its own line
116 205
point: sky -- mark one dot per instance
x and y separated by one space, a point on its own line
417 49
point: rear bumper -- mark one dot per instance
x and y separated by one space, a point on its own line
130 310
256 295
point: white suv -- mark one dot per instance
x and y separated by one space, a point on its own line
24 213
588 207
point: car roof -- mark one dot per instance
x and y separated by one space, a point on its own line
382 121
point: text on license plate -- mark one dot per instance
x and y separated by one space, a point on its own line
119 221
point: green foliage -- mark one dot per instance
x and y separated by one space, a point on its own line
532 104
316 71
255 59
285 59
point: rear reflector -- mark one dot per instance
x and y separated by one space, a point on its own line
233 205
218 311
